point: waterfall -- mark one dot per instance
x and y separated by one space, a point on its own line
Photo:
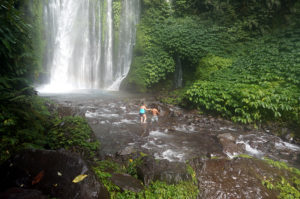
127 36
178 73
108 70
81 50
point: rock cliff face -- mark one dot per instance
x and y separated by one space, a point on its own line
43 172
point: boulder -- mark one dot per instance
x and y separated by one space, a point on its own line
51 172
229 145
19 193
127 182
171 172
237 178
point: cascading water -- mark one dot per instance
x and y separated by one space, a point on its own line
81 49
108 70
127 35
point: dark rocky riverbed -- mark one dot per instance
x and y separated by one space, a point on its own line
178 136
211 145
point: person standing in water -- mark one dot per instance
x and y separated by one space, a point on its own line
143 115
155 113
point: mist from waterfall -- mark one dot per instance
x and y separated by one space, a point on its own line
82 50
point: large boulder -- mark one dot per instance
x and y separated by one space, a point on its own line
171 172
237 178
52 173
127 182
20 193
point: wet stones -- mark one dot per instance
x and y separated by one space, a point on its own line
52 173
228 142
171 172
237 178
127 182
126 151
65 110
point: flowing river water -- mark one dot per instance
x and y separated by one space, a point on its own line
178 136
210 145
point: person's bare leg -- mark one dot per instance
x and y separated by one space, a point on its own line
145 118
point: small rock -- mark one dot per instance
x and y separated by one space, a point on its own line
227 136
126 151
289 137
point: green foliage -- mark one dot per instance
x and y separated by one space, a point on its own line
175 97
288 188
23 121
245 103
131 169
248 68
104 177
210 64
260 85
136 77
72 133
21 35
192 173
241 15
158 189
33 11
192 38
109 166
151 63
15 43
268 184
162 190
244 156
282 165
157 64
26 122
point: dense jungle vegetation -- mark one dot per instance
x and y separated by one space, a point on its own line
240 59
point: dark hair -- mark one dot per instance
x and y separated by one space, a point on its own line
154 106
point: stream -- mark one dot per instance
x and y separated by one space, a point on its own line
178 136
212 146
